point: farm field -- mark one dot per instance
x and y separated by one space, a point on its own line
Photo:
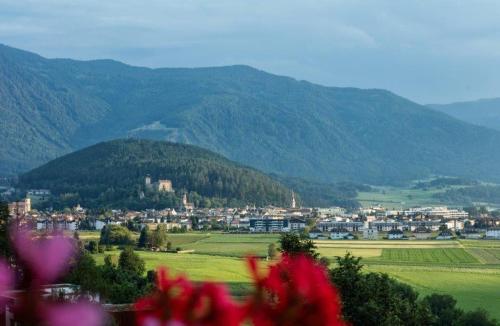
468 270
395 197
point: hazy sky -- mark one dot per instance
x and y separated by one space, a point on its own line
429 51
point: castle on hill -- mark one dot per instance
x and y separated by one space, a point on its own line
160 185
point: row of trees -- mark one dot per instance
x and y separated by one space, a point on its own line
122 236
153 239
121 281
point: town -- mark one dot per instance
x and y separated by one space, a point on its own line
419 223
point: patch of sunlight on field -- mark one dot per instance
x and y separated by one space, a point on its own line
333 252
195 266
480 243
473 288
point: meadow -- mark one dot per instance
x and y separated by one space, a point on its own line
469 269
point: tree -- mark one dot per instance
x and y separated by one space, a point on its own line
376 299
478 317
131 262
93 247
443 227
293 244
444 308
115 235
159 236
144 238
271 251
5 250
85 273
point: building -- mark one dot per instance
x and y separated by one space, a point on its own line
422 233
471 233
20 208
269 225
493 233
297 224
188 207
370 233
395 234
294 204
455 225
164 186
385 226
414 225
327 225
444 235
315 233
339 234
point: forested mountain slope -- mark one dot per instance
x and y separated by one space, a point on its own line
113 174
273 123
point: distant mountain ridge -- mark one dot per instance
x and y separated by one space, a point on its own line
49 107
112 174
483 112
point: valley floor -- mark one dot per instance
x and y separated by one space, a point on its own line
469 270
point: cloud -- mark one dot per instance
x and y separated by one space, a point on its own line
428 51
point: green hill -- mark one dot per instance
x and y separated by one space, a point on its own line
276 124
112 174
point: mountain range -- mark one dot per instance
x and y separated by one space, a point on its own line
291 128
483 112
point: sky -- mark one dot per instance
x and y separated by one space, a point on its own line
429 51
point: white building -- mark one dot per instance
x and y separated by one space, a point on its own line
370 234
493 233
339 234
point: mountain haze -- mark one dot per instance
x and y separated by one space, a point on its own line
484 112
49 107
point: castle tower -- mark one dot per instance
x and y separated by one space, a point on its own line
147 181
294 204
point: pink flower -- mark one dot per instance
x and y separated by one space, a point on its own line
47 258
6 280
77 314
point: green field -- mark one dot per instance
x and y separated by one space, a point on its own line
469 270
395 197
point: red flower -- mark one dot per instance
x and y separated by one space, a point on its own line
177 301
296 291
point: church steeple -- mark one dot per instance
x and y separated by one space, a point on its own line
293 200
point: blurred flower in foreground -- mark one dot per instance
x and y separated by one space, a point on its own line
296 291
179 302
77 314
6 281
44 260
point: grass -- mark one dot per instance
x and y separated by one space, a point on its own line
467 269
433 256
233 245
197 267
395 197
473 288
